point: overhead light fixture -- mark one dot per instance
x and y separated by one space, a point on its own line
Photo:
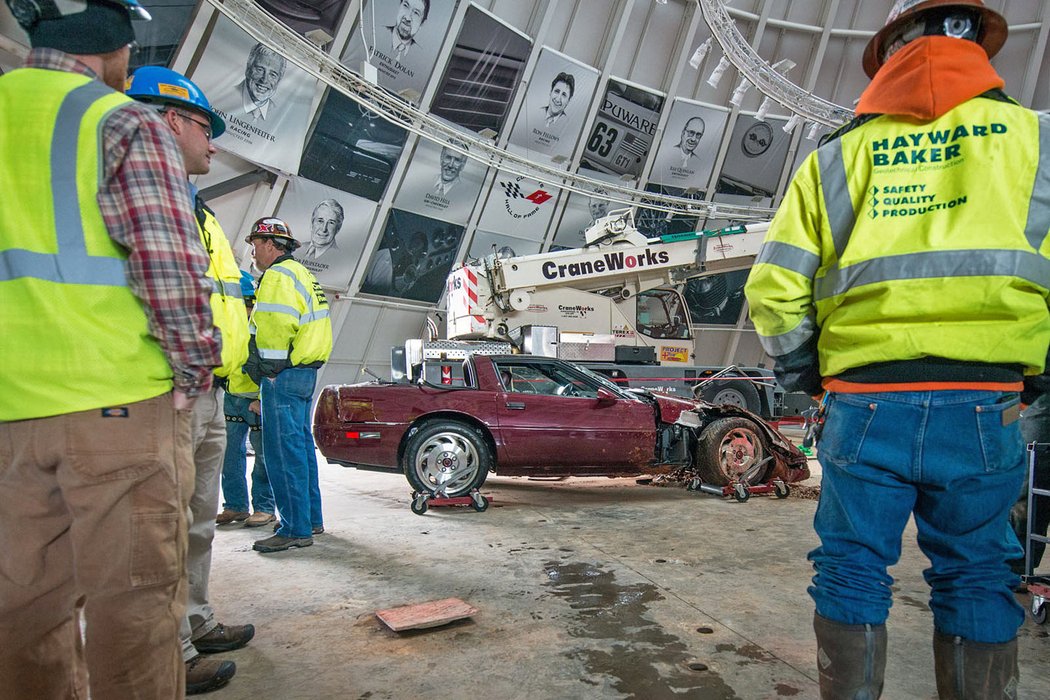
410 95
812 133
763 109
792 123
559 159
718 72
700 54
487 133
783 66
627 177
661 2
738 94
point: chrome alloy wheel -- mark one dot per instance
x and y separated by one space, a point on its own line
739 450
447 462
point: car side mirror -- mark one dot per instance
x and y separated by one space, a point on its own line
606 396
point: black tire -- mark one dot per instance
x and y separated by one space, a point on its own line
1039 616
446 454
479 503
735 392
741 493
781 489
727 448
419 505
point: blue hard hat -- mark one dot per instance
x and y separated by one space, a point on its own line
247 284
155 84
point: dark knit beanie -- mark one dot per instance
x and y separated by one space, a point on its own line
101 28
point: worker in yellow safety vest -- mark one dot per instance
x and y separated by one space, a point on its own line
107 341
291 338
189 116
907 274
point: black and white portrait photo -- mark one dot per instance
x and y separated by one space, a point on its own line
582 211
401 38
486 243
413 259
331 227
555 106
689 146
441 181
265 102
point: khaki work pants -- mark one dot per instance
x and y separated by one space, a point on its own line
92 553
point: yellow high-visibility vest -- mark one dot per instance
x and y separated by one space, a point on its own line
73 336
227 300
290 320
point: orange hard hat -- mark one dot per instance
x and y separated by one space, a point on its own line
991 36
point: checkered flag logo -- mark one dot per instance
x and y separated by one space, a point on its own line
512 189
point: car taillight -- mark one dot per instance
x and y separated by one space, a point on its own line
357 435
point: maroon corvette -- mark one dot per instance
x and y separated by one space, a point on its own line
451 422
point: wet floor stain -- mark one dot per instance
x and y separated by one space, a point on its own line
643 660
750 652
786 691
913 602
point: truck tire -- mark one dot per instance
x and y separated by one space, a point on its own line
735 392
446 455
727 448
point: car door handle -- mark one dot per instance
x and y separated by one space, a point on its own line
516 405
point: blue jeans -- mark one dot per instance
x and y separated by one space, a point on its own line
239 420
947 458
288 442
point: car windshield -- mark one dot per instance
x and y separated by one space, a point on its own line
605 382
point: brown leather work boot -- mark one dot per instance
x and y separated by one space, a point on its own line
205 675
259 518
224 638
230 516
851 659
968 670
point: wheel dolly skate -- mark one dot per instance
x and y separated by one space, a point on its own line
741 489
423 501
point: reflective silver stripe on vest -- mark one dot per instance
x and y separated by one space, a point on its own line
777 345
789 257
230 289
71 264
837 200
278 309
313 316
308 298
273 354
936 264
1038 224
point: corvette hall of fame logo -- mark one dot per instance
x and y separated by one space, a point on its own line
519 203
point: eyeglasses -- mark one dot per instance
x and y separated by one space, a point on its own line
203 125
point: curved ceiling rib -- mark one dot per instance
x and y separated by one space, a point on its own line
259 24
761 74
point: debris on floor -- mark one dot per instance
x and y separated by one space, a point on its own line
423 615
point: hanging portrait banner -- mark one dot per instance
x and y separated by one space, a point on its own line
441 182
331 227
352 148
414 257
555 106
483 72
264 98
689 146
581 211
307 15
402 39
623 130
756 156
486 243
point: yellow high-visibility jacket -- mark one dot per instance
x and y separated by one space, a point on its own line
902 240
227 299
290 323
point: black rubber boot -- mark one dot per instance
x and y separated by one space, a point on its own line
851 659
969 670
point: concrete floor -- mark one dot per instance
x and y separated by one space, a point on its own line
586 588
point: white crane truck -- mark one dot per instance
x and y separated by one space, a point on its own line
613 307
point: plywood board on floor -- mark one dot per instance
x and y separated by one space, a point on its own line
422 615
